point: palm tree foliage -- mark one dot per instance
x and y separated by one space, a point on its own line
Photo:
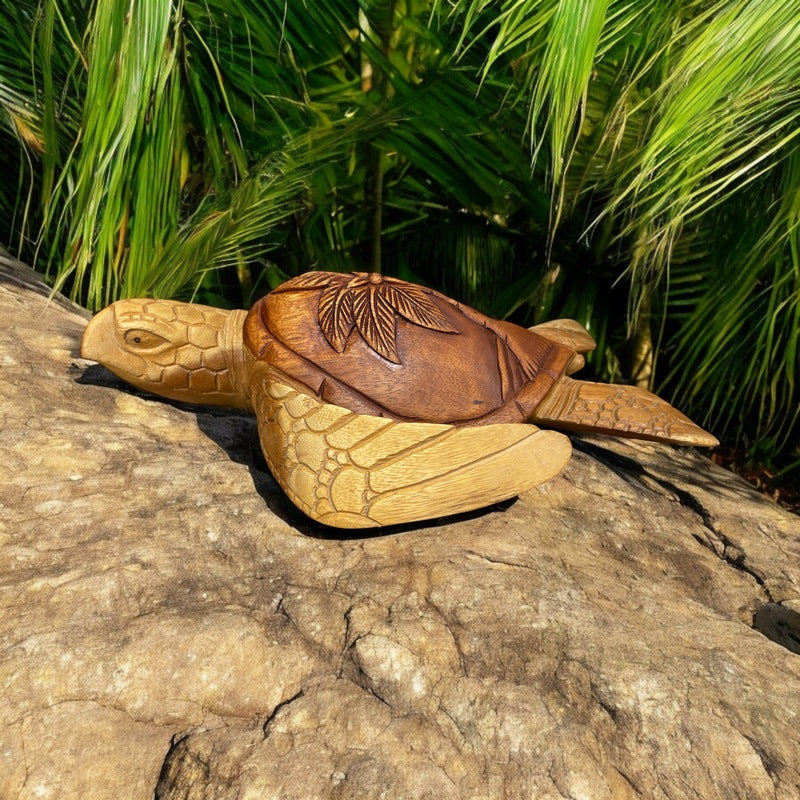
634 164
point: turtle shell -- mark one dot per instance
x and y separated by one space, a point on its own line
379 345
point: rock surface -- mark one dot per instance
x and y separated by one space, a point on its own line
170 626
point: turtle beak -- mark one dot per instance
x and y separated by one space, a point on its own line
102 342
99 336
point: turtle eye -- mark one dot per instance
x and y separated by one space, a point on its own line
140 339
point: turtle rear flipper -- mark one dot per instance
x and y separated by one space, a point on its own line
568 332
630 411
353 470
571 334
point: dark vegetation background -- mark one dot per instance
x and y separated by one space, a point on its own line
634 164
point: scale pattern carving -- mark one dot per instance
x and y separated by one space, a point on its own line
355 470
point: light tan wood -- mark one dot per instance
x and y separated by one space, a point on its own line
183 351
619 410
567 332
358 471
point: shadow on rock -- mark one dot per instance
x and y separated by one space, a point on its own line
691 472
237 434
235 431
780 624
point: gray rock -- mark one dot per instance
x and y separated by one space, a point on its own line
169 623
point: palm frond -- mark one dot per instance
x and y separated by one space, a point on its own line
736 354
116 169
726 112
535 157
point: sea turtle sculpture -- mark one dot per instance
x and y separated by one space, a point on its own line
379 401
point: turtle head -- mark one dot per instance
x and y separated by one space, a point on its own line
177 350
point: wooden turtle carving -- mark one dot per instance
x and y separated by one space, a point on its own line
379 401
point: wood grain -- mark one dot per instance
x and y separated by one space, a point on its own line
379 345
380 401
620 410
357 471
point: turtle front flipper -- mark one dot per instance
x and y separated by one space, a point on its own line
353 470
621 410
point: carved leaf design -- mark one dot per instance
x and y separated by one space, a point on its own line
313 280
412 303
371 303
375 318
335 314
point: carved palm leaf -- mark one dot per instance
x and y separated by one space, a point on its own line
376 320
335 315
370 303
416 306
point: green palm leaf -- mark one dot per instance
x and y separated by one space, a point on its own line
631 163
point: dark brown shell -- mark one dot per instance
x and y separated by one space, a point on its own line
379 345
